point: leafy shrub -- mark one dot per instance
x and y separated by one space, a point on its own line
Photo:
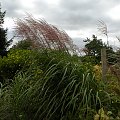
97 71
18 59
14 62
90 59
23 44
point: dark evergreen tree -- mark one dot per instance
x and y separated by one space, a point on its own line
3 35
94 47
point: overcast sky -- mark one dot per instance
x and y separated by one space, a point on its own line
79 18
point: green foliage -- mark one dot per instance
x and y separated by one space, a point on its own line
19 59
61 92
94 47
14 62
50 85
24 44
55 86
2 15
3 39
3 35
101 115
90 59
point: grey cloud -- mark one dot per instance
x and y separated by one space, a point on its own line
78 13
69 14
79 42
11 7
41 7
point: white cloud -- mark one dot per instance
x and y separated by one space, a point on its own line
28 3
114 13
9 23
52 2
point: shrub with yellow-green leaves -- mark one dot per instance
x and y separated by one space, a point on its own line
14 62
101 115
19 59
97 71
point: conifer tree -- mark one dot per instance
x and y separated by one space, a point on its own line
3 35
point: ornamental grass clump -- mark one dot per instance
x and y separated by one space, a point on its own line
63 90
